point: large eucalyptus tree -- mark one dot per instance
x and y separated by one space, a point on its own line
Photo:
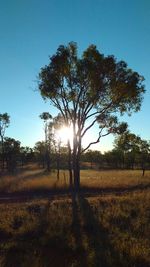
87 90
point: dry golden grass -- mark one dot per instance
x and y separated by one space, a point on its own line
114 178
106 230
36 179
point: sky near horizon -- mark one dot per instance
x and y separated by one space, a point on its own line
32 30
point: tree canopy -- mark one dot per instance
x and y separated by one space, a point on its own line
4 123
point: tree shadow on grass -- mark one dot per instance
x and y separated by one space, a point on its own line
81 257
93 246
101 251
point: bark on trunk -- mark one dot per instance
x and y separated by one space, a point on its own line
70 165
76 161
58 166
3 160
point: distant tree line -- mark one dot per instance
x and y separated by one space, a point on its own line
129 152
94 159
12 154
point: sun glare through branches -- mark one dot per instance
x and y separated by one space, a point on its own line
65 134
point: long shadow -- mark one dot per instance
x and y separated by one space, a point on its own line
113 190
25 195
102 251
30 176
38 249
77 233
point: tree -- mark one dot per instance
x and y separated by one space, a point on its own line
133 148
128 143
47 129
26 155
39 150
144 150
92 156
114 158
88 90
12 153
4 123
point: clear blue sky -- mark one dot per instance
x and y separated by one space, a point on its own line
31 30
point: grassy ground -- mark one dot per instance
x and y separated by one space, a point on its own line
103 230
33 179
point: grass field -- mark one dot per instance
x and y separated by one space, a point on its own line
106 228
35 180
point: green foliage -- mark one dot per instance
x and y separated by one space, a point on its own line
134 148
45 116
4 123
92 81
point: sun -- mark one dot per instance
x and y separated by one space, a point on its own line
65 134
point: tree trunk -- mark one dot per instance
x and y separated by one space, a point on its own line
143 172
58 164
3 160
76 161
58 169
77 174
48 161
70 165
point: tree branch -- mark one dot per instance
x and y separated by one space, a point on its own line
92 143
88 127
97 141
57 104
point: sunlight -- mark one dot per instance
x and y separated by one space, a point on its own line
64 134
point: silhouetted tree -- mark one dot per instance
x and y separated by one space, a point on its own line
128 143
87 90
92 156
144 150
114 158
26 155
133 147
12 153
46 117
4 123
39 150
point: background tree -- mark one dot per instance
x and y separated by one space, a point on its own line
12 153
4 123
39 150
46 117
128 144
144 153
114 158
26 155
87 90
93 157
134 150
